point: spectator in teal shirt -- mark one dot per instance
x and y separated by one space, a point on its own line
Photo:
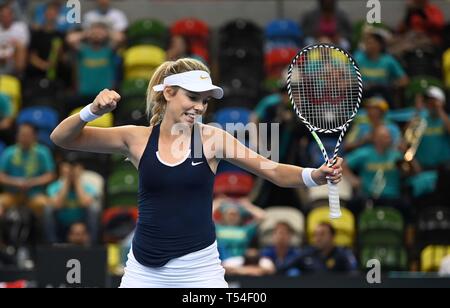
434 148
362 130
379 176
25 169
380 71
71 201
234 235
96 60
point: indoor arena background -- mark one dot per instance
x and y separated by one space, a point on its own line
396 216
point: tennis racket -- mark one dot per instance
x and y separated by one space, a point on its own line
325 89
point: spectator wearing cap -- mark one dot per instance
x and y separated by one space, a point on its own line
323 255
434 148
380 71
14 39
281 252
234 232
361 133
327 23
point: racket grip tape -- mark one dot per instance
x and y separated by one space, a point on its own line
333 196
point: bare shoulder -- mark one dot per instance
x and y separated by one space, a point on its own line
209 131
134 133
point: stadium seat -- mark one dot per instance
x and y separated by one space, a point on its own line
45 119
134 87
249 58
123 186
192 28
232 116
106 120
422 62
275 214
390 257
380 226
431 257
433 226
196 33
131 111
446 67
345 226
233 184
141 61
283 29
148 31
118 223
277 60
240 33
11 86
418 85
241 85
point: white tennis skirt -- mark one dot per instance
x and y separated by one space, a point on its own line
200 269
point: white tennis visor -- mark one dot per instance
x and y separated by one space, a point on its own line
194 81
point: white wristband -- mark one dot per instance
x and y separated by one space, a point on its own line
307 178
86 114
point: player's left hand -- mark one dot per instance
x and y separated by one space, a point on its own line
325 173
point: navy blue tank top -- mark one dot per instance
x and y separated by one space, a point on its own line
175 205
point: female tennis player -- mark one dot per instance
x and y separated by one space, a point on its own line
175 243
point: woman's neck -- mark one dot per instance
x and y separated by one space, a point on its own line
167 131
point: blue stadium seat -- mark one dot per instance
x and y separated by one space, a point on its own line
44 118
283 29
232 115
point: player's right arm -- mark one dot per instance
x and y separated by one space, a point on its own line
72 133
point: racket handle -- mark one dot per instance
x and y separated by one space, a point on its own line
333 196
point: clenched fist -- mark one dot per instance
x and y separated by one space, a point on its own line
106 101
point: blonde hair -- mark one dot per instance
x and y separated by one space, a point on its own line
156 103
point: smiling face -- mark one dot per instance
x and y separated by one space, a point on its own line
185 106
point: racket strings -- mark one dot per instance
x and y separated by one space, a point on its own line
325 87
